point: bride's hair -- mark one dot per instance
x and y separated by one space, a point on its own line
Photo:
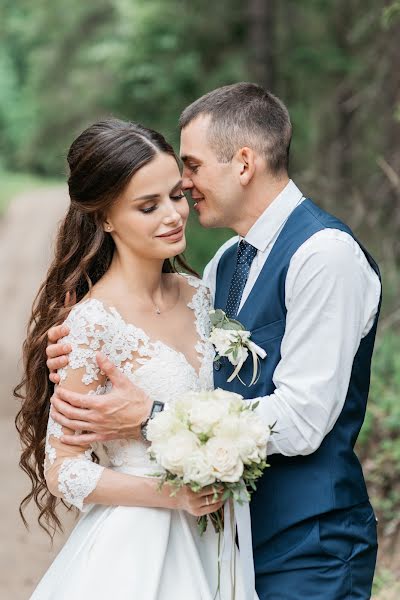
101 162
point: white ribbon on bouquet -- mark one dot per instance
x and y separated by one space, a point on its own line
237 515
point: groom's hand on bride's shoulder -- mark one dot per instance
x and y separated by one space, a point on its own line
115 415
57 354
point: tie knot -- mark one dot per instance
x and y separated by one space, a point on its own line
246 252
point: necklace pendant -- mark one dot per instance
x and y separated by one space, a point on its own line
158 311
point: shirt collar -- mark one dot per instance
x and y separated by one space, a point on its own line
272 219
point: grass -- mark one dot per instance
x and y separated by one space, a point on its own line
385 586
12 184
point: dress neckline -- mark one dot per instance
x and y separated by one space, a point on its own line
192 304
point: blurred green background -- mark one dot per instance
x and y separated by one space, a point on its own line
335 64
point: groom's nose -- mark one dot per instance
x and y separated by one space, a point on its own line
187 183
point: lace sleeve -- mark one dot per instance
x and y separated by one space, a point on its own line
69 470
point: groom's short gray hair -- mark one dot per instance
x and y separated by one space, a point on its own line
245 114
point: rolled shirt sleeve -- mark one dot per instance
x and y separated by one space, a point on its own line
332 296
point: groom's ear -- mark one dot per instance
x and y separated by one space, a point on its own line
246 160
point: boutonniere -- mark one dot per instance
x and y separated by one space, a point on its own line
232 340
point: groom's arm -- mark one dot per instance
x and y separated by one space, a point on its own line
332 296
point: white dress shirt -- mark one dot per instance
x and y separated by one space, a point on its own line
331 296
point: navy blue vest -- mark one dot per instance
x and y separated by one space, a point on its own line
299 487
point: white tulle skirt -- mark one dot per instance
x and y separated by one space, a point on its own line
131 553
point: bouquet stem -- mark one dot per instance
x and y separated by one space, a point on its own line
216 518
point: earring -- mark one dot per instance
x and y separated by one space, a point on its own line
108 227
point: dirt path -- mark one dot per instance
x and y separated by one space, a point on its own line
26 235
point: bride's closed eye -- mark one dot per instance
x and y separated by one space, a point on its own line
152 208
178 197
148 209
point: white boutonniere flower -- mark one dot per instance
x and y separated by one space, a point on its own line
232 340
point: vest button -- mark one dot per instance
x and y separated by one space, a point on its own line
217 365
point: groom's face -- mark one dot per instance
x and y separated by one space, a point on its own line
213 185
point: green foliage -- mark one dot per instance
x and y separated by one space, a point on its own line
391 13
384 579
65 65
379 441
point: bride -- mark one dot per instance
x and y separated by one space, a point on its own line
118 251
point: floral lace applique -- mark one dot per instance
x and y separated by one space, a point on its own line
201 305
77 478
55 430
163 373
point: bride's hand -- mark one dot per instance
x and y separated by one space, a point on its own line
199 503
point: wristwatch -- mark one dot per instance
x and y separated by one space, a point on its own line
156 408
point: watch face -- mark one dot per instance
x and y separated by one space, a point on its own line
158 407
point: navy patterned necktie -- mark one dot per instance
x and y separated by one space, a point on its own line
245 255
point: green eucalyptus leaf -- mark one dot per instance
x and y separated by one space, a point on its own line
217 318
227 494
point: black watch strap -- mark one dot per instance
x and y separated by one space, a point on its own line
156 408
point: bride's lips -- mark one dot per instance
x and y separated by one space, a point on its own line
172 236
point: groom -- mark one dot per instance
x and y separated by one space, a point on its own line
310 294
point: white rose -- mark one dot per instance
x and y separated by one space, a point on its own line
248 449
222 339
224 459
157 450
182 405
228 428
240 355
174 454
205 415
197 469
253 426
234 401
262 452
163 426
243 335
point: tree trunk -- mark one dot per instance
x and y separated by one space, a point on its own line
344 100
262 42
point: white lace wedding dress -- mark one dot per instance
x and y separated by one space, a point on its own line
130 553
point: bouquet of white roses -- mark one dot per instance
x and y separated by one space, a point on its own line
210 438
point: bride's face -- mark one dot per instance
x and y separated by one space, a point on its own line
149 218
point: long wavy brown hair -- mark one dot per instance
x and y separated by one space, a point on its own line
102 160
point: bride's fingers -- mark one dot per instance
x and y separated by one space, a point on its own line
207 510
210 490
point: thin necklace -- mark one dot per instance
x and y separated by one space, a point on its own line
157 308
